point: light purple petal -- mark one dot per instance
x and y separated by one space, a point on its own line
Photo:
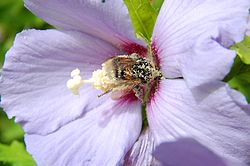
184 152
248 27
35 72
207 63
141 152
217 121
108 20
100 137
187 151
203 29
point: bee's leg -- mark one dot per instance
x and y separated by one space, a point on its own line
104 93
139 92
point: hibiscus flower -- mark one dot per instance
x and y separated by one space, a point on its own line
189 48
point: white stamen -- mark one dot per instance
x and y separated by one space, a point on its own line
75 83
100 80
75 72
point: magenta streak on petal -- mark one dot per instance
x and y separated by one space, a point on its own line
131 48
155 88
155 52
129 98
155 84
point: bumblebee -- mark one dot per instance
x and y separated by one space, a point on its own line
130 72
132 68
120 74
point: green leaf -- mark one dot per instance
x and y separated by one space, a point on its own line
235 70
242 84
9 130
14 18
243 50
239 77
143 17
15 154
157 4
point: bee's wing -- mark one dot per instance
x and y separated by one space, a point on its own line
123 62
123 67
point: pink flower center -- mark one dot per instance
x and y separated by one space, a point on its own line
133 75
151 54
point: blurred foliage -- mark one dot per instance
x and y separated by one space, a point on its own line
9 131
14 17
15 154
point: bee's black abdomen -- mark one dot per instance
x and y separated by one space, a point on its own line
142 70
